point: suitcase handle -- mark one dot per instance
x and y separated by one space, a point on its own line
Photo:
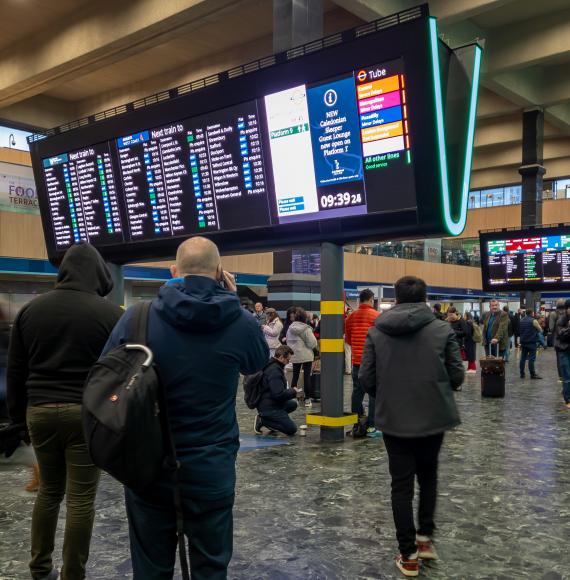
491 349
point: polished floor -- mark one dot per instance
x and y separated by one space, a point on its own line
307 510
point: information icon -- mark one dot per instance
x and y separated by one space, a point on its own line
330 98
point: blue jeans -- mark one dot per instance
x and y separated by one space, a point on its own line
279 419
208 525
564 358
528 351
358 393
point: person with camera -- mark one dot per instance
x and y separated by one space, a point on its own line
277 399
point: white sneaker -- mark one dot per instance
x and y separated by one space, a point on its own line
470 372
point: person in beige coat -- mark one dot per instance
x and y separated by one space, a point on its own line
301 339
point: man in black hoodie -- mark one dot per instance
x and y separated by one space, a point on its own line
414 407
277 399
55 341
201 339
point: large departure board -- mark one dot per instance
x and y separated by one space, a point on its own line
311 152
343 140
527 259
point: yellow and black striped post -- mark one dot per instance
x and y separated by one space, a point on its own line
332 419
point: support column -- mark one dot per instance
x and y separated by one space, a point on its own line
532 171
296 22
117 294
332 343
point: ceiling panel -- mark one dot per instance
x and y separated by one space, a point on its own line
191 46
24 18
518 12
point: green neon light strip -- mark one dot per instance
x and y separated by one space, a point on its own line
454 227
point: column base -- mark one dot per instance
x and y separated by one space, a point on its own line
332 434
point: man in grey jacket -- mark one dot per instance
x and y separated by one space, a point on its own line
414 407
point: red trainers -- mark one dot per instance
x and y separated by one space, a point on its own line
426 550
408 566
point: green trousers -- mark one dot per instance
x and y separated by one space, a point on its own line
65 469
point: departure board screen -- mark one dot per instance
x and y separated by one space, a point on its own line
531 259
311 152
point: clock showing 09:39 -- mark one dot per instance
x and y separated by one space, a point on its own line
340 200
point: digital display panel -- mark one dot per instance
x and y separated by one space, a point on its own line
532 259
311 152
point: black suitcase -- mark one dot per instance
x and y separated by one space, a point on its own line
492 377
316 386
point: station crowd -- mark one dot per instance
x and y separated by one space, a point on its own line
202 340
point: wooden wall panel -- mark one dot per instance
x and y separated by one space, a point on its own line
246 264
363 268
22 236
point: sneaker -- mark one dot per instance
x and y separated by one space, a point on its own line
373 432
257 425
535 377
560 380
470 372
426 550
408 566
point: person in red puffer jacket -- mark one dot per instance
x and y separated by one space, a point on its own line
356 331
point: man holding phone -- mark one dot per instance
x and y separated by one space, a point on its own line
202 340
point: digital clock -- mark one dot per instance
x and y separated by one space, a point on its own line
345 199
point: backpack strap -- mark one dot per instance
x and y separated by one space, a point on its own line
139 322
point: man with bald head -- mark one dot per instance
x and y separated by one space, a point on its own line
201 339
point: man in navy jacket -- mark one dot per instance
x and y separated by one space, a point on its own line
201 339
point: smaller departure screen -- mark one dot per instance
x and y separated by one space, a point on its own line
537 260
331 149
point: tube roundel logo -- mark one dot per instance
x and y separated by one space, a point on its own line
361 75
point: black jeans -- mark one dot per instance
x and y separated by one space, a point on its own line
528 351
279 420
208 525
307 366
357 399
407 459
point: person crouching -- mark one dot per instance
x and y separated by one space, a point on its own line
277 401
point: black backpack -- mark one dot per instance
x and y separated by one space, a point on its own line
253 387
122 422
125 420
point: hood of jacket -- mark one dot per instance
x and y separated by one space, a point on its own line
83 269
198 303
405 319
298 327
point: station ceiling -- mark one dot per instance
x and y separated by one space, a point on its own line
65 59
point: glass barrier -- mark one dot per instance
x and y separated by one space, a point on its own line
512 194
458 251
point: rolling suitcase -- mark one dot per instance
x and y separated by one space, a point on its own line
492 375
316 381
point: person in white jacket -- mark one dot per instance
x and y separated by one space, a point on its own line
271 330
301 339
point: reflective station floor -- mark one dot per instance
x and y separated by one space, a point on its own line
307 510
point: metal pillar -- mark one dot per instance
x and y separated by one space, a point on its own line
117 294
332 341
296 22
531 171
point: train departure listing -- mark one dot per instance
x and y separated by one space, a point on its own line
543 259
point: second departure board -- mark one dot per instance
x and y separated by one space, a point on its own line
531 259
